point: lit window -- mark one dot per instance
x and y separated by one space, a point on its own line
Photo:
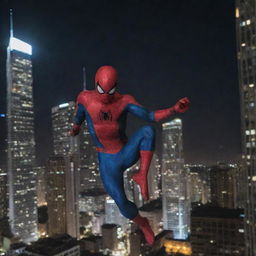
237 12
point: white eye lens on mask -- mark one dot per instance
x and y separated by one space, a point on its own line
112 90
100 90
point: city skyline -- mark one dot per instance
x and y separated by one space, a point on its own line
183 193
60 55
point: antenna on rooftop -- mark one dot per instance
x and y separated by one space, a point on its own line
11 24
84 79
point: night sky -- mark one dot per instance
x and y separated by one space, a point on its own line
163 49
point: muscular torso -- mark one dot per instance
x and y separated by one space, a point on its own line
107 120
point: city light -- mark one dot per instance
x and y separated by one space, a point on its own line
172 246
18 45
63 105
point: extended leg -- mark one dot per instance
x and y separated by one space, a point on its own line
111 170
142 143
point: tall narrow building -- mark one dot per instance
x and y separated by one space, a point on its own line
21 141
176 204
62 195
62 119
246 54
66 158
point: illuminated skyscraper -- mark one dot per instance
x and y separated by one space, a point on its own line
154 177
21 140
90 177
223 181
62 119
3 193
62 195
41 185
246 53
63 144
176 204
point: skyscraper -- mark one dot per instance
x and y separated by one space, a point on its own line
62 195
62 119
176 204
224 180
246 54
3 193
63 144
21 140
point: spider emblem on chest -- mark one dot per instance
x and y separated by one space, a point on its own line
105 115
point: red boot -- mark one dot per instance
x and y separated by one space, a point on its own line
146 229
141 176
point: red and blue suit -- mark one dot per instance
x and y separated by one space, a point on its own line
105 111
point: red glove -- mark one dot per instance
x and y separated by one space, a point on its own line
75 130
182 105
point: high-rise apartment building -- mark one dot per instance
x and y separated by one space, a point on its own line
217 231
176 203
3 193
64 144
223 180
245 13
62 119
41 185
199 184
62 195
21 140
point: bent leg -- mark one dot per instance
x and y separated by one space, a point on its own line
142 140
141 144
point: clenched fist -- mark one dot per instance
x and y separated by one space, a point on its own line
182 105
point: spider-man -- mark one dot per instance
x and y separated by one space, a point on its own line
105 111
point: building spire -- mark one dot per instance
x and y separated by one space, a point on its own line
84 79
11 24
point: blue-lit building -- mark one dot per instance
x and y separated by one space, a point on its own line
176 203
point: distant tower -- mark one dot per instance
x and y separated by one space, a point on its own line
62 119
246 33
90 178
3 193
21 140
62 195
176 204
63 173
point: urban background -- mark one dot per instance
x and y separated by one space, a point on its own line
202 179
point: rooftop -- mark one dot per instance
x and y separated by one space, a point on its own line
52 245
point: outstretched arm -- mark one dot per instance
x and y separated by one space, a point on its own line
155 116
79 118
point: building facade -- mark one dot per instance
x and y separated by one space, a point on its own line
62 119
176 203
246 55
3 194
62 195
224 180
61 245
21 141
217 231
